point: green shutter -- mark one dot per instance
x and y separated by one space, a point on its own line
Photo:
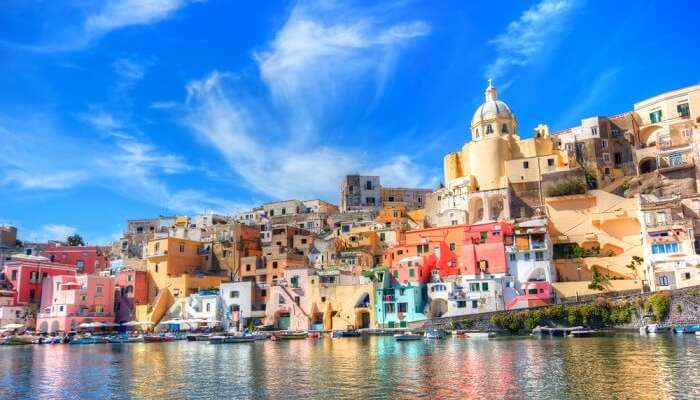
485 286
396 274
411 272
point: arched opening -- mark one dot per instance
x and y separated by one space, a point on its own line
283 321
647 165
54 327
362 301
437 308
496 207
476 210
649 136
362 319
538 274
44 327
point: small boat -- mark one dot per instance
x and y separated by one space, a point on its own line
480 335
197 337
314 335
158 338
18 340
134 339
83 340
291 335
406 336
587 333
239 339
459 333
656 328
690 329
217 339
435 334
348 333
557 331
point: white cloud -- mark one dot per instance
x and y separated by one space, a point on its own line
129 69
527 38
101 20
50 232
313 70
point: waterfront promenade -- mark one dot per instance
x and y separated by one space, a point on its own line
622 366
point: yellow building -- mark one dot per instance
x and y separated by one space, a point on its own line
174 271
496 175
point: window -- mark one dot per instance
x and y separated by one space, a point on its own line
484 286
14 274
235 308
303 241
526 164
32 293
233 294
33 277
539 256
368 185
474 287
594 130
661 217
370 201
411 272
550 162
247 267
683 110
280 299
83 298
606 157
618 158
129 278
685 132
527 256
295 281
403 307
323 299
504 128
208 307
262 278
488 130
156 248
156 267
512 256
606 171
389 308
274 265
605 143
483 236
686 275
99 308
461 304
663 280
422 248
182 247
382 237
263 292
655 116
297 300
272 213
396 274
664 248
99 289
284 211
80 265
475 303
453 247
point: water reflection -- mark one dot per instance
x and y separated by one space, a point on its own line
625 366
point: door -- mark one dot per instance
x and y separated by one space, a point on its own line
283 322
365 320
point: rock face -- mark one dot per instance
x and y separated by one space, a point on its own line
684 310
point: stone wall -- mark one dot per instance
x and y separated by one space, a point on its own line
687 298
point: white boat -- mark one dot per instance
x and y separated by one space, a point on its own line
480 335
656 328
239 339
401 337
435 334
697 334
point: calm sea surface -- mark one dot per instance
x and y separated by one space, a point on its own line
624 367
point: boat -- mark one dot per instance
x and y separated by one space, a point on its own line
348 333
197 337
18 340
134 339
557 331
158 338
458 333
314 335
690 329
84 340
435 334
655 328
406 336
290 335
239 339
697 334
480 335
217 339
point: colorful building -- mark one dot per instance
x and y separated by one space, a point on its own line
25 276
70 300
86 259
132 291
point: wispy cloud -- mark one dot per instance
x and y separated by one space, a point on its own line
588 98
50 232
101 20
526 39
312 70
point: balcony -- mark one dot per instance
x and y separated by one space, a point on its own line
159 253
675 159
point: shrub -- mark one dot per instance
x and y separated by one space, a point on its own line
567 187
659 304
679 309
695 292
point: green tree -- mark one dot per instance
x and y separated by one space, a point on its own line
598 279
75 240
634 265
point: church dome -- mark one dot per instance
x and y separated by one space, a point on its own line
491 108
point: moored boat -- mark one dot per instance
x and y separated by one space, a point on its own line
158 338
18 340
435 334
406 336
587 333
348 333
689 329
197 337
480 335
290 335
656 328
239 339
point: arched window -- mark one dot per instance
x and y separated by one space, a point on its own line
504 128
488 130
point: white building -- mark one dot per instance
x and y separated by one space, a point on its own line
238 300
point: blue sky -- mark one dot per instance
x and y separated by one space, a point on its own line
130 109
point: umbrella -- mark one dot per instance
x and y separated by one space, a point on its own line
110 324
12 326
172 321
137 323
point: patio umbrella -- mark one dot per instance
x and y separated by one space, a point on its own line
12 326
86 325
109 324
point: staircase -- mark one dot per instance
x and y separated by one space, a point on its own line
291 298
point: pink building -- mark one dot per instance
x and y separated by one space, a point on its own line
132 290
534 294
484 248
68 301
25 276
86 259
